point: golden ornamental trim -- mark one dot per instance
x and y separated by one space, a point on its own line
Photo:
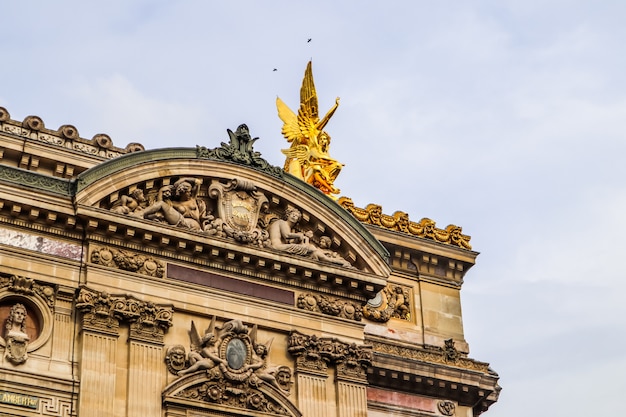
399 221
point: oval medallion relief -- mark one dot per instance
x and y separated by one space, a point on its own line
236 354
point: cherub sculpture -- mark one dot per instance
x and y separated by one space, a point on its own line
308 157
203 353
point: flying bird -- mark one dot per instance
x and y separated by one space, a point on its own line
274 69
309 40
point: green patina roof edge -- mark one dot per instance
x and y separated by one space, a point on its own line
35 180
120 163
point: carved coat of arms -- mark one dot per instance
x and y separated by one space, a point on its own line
239 205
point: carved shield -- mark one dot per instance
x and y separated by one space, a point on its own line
16 350
239 204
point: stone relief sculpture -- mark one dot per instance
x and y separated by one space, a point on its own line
391 302
128 261
331 306
130 204
178 205
235 367
284 237
15 335
239 205
231 356
233 209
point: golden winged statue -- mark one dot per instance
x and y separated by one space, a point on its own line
308 157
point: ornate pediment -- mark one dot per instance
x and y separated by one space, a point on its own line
226 208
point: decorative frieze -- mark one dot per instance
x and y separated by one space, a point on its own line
438 355
228 366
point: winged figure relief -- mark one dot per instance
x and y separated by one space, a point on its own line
307 158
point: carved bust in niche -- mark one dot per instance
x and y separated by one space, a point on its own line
16 333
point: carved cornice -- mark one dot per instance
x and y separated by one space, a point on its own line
399 221
103 313
434 355
314 354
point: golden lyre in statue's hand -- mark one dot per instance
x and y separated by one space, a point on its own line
308 157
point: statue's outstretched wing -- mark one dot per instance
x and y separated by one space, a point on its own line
194 337
291 129
308 95
300 152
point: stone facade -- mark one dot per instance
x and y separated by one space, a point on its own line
206 282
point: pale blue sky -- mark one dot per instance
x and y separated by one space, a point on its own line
507 118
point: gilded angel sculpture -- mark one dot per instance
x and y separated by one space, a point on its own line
308 157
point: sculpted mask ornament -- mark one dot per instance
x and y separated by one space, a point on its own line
308 157
176 359
15 335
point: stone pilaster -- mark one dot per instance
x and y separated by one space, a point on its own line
351 378
63 326
311 374
146 374
313 355
98 362
102 315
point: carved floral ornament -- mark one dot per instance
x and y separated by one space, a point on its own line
27 308
399 221
128 261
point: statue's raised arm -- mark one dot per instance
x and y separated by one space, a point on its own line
308 157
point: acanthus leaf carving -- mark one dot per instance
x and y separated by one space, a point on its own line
239 150
314 354
101 311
